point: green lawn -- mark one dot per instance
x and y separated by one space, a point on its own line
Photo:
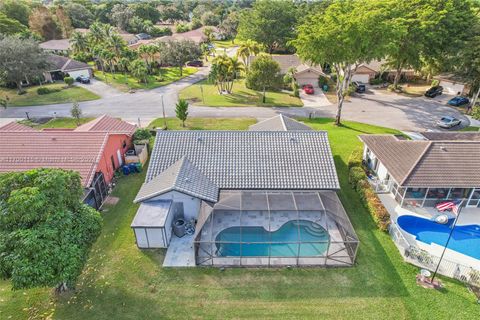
220 44
241 96
166 76
205 123
31 98
471 128
65 123
122 282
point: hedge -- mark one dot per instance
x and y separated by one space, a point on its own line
45 90
359 181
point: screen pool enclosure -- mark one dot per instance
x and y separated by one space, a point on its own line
275 228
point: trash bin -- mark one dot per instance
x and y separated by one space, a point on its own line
125 170
139 166
179 228
325 88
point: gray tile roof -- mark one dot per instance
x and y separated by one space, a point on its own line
181 176
65 64
270 160
279 123
420 163
287 61
452 136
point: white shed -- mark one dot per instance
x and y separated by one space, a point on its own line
152 224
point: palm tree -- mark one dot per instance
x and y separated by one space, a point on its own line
224 71
247 49
78 42
234 68
96 34
124 63
139 70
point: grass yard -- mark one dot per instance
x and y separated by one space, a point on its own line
205 123
166 76
471 128
415 90
31 98
65 123
221 44
241 96
122 282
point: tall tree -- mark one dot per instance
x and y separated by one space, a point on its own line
80 16
10 26
79 43
139 70
21 59
270 23
345 35
45 230
63 21
41 21
229 26
146 11
16 10
248 48
224 71
263 74
120 16
178 53
181 110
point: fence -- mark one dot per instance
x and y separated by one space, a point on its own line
380 186
423 259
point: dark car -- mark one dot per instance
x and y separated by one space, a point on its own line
83 79
458 101
359 87
434 91
196 63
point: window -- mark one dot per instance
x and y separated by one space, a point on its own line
124 145
113 162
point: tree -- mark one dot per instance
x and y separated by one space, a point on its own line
80 16
146 11
346 34
41 21
21 59
16 10
148 53
4 102
270 23
45 230
139 70
223 72
76 112
229 26
68 81
264 73
10 26
247 49
79 43
170 13
181 110
210 19
63 21
178 53
120 16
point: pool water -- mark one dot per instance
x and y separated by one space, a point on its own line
465 239
293 231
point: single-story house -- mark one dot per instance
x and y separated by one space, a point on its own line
368 71
453 84
244 198
57 46
62 66
143 36
422 173
95 150
279 123
305 73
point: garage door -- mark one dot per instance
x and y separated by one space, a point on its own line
453 88
78 73
363 78
308 80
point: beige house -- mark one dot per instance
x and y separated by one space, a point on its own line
62 66
368 71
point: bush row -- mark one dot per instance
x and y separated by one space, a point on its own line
45 90
359 181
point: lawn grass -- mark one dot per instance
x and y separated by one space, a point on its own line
122 282
471 128
165 76
241 96
415 90
205 123
31 98
221 44
64 123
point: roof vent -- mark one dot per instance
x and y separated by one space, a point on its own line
293 139
187 180
200 139
443 148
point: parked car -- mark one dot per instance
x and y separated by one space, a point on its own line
448 122
458 101
196 63
308 89
434 91
359 87
83 79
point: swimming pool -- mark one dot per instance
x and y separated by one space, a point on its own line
465 239
293 231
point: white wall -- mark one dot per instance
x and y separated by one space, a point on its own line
382 172
77 73
191 205
141 237
452 87
363 78
150 237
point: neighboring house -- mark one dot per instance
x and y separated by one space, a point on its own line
95 150
304 74
368 71
423 173
209 194
128 37
60 46
62 66
143 36
453 84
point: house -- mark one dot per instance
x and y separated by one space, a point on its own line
453 84
368 71
63 66
209 194
304 73
423 173
58 46
143 36
95 150
279 123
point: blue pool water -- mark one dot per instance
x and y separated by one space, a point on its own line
309 231
465 239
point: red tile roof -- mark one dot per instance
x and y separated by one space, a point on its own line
78 151
15 126
108 124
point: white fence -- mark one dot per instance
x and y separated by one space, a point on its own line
425 260
380 186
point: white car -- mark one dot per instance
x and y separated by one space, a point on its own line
448 122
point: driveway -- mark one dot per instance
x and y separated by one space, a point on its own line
316 100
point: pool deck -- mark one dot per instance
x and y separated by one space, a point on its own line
468 216
180 252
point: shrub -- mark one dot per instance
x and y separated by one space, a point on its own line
195 23
322 81
182 27
68 80
376 81
476 112
141 134
160 31
356 175
355 159
46 90
435 82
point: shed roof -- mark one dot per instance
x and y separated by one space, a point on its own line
279 123
152 214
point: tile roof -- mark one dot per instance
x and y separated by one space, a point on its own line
15 126
452 136
25 150
182 176
279 123
108 124
421 163
59 44
65 64
293 160
287 61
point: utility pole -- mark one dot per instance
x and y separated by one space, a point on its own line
164 118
